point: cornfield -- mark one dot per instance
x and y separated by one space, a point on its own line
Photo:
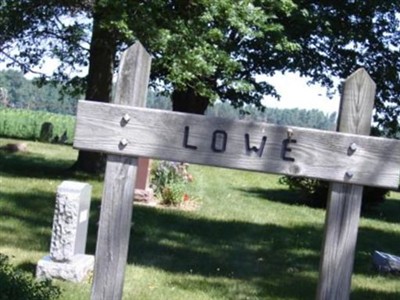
27 124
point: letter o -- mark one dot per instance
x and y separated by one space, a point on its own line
219 140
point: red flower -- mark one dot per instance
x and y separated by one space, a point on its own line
186 197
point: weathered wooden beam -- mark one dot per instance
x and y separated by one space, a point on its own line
119 185
344 202
244 145
114 228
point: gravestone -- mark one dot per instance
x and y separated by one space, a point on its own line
143 192
67 259
46 132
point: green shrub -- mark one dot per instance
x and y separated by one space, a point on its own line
168 180
172 194
314 192
18 285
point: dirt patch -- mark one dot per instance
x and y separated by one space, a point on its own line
190 205
16 147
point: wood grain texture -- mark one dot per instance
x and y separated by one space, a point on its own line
114 227
344 202
119 184
357 102
161 135
133 76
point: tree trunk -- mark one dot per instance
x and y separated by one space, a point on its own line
99 85
189 102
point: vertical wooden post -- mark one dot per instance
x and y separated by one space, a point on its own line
344 202
119 185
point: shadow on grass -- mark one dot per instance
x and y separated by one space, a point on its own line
37 166
284 196
26 220
268 256
374 295
388 211
27 267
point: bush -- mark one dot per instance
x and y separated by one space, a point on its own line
172 194
18 285
168 180
314 192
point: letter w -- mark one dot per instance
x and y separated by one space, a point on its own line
249 149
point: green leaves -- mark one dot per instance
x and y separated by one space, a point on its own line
205 44
16 284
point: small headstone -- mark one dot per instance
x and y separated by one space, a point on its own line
64 138
143 193
71 219
46 132
67 259
386 263
55 140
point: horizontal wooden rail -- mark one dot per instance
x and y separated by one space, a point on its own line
244 145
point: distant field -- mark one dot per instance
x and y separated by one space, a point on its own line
246 240
26 124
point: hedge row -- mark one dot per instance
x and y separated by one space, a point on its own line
26 124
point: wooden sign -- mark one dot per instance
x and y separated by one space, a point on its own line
254 146
125 133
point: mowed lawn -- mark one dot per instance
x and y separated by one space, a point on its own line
248 239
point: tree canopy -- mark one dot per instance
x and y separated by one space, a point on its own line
337 37
215 48
205 50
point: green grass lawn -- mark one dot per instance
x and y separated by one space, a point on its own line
247 239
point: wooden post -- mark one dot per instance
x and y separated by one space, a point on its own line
119 184
344 202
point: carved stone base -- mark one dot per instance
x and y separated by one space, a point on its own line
76 270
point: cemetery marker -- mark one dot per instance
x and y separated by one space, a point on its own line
67 259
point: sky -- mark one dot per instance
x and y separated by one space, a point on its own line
296 93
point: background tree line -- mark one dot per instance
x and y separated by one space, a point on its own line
313 118
19 92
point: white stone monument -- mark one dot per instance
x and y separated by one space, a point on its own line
67 259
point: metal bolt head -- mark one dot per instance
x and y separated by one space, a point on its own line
289 133
123 142
126 118
353 147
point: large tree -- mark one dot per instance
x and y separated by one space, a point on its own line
205 50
